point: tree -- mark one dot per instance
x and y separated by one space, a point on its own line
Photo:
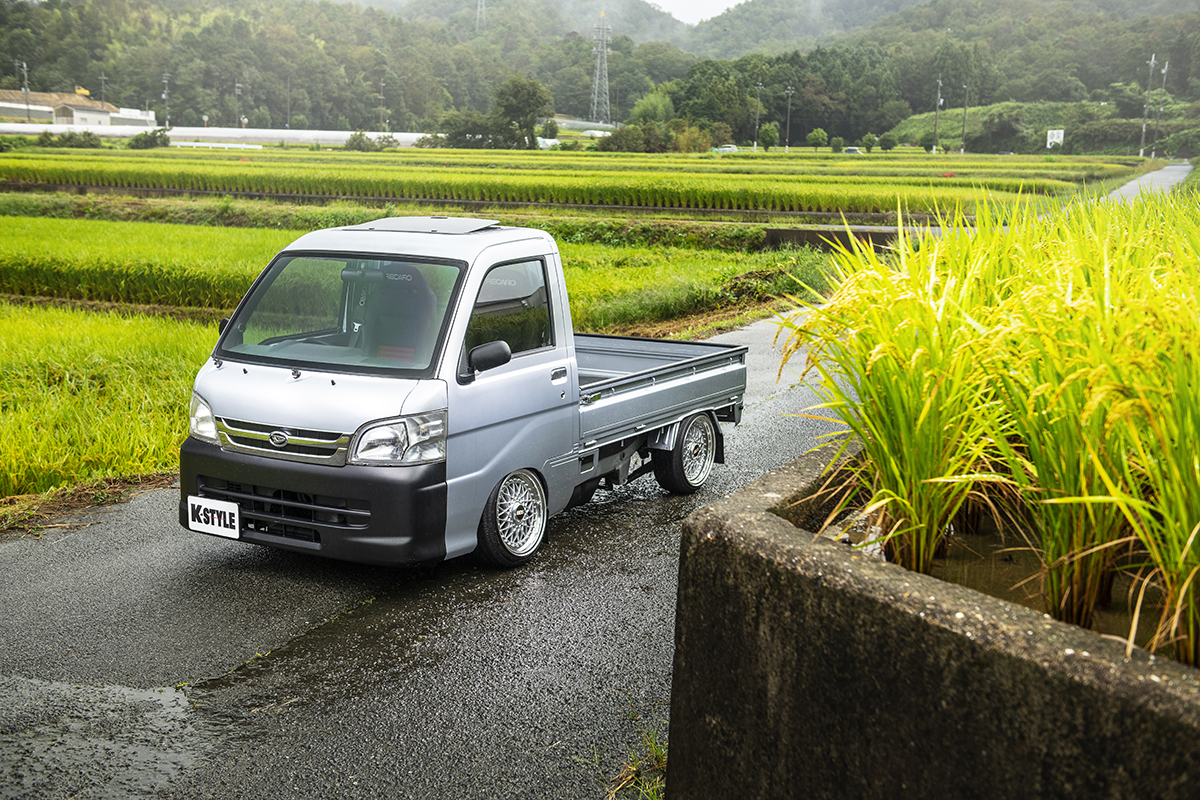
817 137
691 140
520 101
837 144
550 129
360 141
467 129
627 139
888 142
768 135
653 107
868 141
927 140
150 139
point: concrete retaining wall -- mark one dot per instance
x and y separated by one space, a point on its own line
804 669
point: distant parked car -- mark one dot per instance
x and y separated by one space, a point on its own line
726 148
853 151
1005 153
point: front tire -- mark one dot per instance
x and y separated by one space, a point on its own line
514 520
684 468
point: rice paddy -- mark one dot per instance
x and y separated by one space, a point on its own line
799 182
1047 370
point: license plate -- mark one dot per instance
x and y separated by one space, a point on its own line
217 517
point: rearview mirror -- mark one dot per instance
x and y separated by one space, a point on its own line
489 356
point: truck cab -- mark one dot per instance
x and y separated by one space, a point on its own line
411 390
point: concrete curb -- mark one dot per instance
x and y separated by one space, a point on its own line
805 669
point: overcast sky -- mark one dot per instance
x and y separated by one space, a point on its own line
692 11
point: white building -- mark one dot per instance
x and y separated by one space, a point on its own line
70 114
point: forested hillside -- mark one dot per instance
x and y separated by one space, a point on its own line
340 66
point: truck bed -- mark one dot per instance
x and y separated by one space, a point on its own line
628 385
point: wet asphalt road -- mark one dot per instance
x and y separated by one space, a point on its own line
441 682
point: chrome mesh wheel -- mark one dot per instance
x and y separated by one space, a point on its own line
699 449
521 512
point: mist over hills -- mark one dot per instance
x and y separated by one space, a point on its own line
753 26
778 26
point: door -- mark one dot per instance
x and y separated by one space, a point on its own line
521 415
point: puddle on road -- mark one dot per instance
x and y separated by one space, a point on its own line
64 740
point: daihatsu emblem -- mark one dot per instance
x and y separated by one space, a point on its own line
278 438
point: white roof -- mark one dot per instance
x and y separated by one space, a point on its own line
458 238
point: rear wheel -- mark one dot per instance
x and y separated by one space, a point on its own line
684 468
514 520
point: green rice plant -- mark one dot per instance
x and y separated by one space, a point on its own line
897 365
127 262
796 185
1152 375
86 396
1155 485
1082 370
615 287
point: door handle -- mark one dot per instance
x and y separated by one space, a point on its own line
558 374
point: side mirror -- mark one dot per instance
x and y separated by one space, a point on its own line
489 356
222 325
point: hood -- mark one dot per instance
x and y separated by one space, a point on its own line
320 401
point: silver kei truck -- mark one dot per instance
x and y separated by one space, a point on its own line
410 390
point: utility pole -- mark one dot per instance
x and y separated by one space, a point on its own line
962 147
237 94
757 107
787 141
480 15
1146 107
25 90
381 85
1158 116
167 95
288 124
936 110
601 112
103 80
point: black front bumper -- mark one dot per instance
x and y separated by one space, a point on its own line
373 515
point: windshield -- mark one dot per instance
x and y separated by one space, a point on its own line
365 314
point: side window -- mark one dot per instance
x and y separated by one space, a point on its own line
513 307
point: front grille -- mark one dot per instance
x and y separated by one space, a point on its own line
292 515
308 446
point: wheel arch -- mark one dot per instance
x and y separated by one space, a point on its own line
664 438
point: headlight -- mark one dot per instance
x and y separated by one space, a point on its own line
419 439
202 424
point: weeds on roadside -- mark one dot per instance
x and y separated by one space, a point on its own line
644 773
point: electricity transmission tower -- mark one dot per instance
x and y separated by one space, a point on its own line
480 15
600 109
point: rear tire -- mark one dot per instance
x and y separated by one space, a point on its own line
684 468
514 520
